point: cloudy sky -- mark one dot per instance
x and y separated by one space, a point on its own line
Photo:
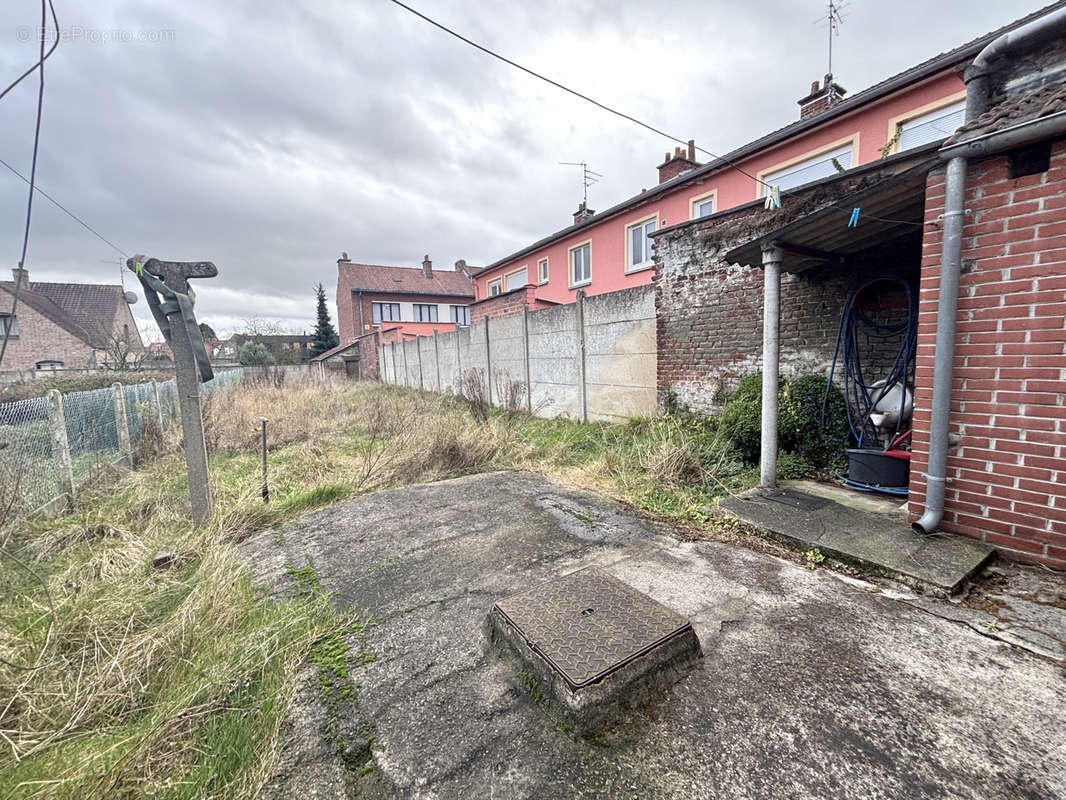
269 137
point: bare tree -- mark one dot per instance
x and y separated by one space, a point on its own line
257 326
123 347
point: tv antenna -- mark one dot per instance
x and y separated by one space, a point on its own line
588 176
834 19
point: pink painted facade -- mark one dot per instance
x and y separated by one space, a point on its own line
867 128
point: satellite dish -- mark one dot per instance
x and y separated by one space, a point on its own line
131 297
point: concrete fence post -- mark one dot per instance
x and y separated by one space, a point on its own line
406 368
459 360
158 405
122 425
436 357
579 325
488 361
57 424
525 350
418 352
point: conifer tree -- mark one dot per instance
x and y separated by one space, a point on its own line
325 334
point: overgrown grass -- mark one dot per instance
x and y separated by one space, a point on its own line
173 682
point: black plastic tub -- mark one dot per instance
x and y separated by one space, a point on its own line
879 468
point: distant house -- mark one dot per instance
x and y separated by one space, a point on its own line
66 325
287 348
374 298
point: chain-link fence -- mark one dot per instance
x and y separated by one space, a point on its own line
102 428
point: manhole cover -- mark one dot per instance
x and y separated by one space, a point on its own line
804 502
588 624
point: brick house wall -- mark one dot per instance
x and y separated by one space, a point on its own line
369 369
709 312
40 339
507 304
1007 456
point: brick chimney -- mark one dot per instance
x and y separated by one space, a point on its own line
582 213
821 97
20 274
681 161
427 266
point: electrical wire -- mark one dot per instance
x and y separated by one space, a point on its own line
10 323
616 112
67 211
44 56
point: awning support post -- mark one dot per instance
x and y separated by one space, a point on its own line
771 348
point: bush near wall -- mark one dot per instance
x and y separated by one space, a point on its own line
40 387
802 428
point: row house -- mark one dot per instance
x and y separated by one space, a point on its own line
613 249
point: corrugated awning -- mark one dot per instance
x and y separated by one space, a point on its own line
887 211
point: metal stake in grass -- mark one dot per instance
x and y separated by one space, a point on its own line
266 490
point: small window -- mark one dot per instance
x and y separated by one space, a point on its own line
542 270
9 326
460 315
581 265
386 312
810 169
936 126
495 287
425 312
49 365
640 244
702 208
516 280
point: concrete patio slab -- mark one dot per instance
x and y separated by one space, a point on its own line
876 540
809 687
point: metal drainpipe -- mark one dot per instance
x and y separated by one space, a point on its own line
977 78
362 325
771 348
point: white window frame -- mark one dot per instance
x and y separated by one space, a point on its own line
695 202
772 176
506 278
48 365
428 309
497 284
951 104
576 284
649 245
542 271
463 312
378 317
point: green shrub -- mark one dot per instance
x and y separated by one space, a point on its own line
799 425
791 467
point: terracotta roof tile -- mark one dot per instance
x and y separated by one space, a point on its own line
1026 107
377 278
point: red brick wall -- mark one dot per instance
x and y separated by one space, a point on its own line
1007 460
507 304
40 339
368 356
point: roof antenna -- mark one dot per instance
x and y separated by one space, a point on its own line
835 20
588 177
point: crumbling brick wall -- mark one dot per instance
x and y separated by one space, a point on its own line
1007 457
508 304
709 312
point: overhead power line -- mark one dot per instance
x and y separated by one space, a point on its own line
574 92
9 324
67 211
44 55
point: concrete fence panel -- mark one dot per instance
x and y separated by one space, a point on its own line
620 354
553 362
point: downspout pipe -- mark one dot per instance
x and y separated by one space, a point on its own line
978 87
978 75
771 354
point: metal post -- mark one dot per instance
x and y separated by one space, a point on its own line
771 343
57 424
122 426
266 489
525 347
579 325
158 405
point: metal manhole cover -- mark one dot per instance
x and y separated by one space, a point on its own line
588 624
804 502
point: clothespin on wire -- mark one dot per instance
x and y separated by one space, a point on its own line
854 221
773 198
